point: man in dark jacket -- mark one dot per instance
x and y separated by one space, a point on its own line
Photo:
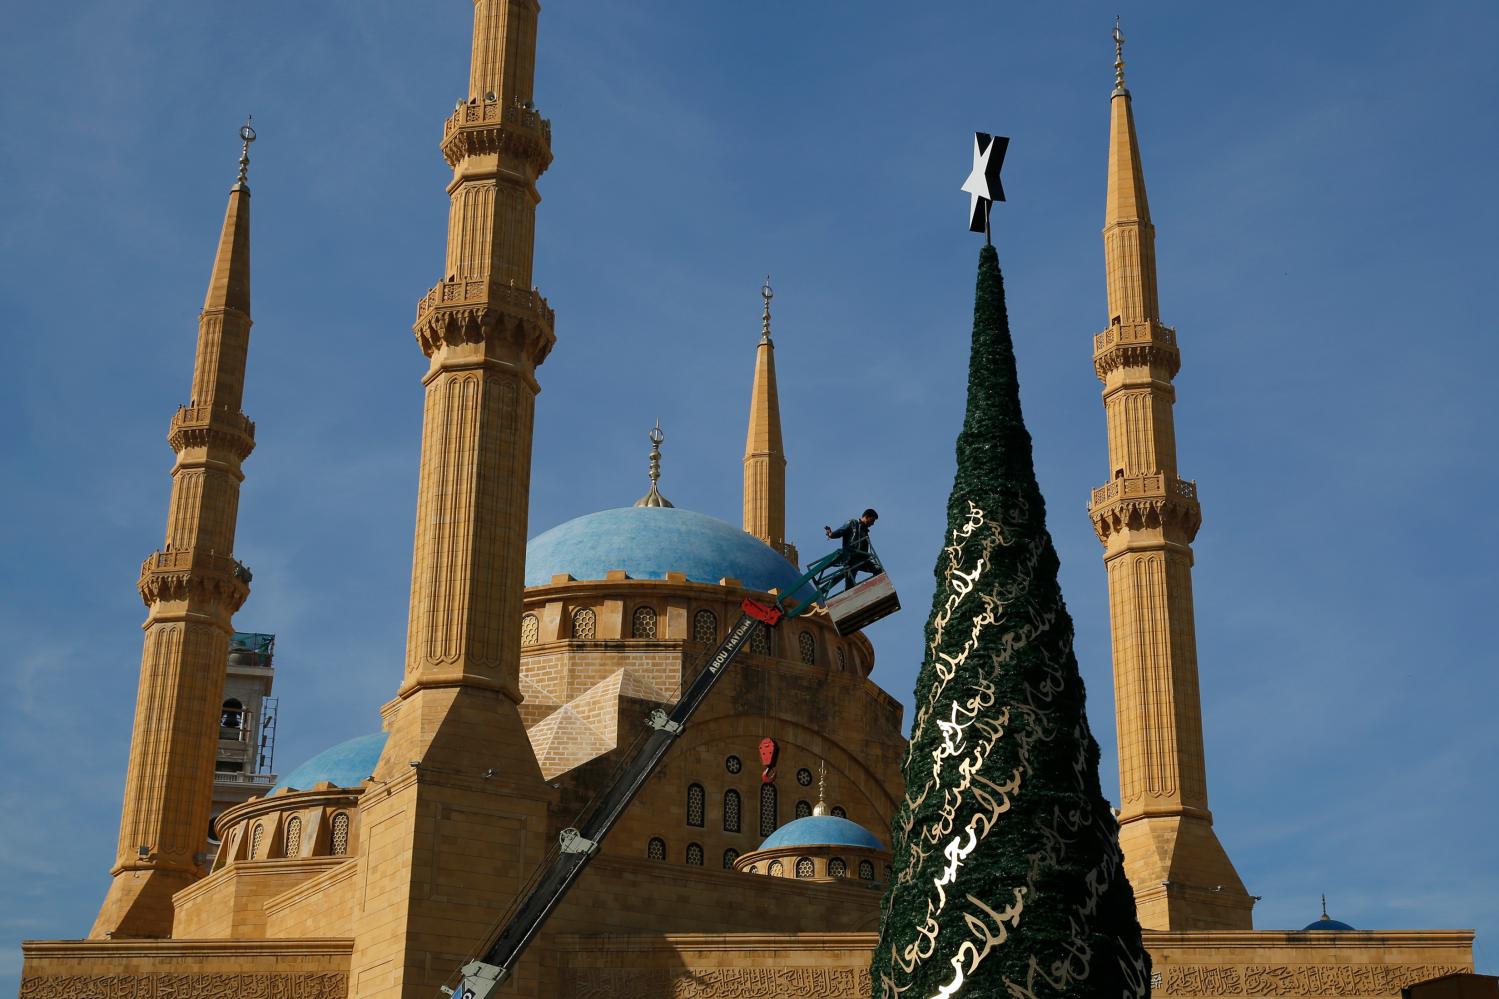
855 555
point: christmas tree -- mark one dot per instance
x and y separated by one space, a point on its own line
1008 880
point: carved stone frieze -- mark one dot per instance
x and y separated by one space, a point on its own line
479 128
1136 345
458 312
205 426
177 575
718 983
1295 979
1148 502
205 986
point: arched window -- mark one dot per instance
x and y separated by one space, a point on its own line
643 624
731 809
803 809
842 661
340 845
729 856
866 870
293 837
760 640
807 646
804 868
694 855
837 868
585 624
656 849
754 868
887 873
768 821
705 626
530 629
838 812
776 869
256 838
233 715
695 802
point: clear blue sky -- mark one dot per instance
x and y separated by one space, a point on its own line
1322 181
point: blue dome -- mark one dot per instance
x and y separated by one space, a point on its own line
1326 923
822 830
346 764
649 542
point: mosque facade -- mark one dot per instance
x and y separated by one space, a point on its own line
752 862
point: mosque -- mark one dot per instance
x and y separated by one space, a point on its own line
752 862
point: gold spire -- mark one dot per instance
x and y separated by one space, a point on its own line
1118 58
821 808
247 135
764 453
654 497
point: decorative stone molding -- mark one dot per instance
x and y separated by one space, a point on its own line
204 986
458 312
178 575
717 983
1294 979
1136 345
207 426
479 128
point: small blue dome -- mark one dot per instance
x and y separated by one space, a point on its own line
822 830
1327 923
346 764
649 542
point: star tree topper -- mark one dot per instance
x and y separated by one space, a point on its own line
983 185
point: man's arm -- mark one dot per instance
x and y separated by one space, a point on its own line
843 531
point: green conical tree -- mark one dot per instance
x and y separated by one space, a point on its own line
1008 879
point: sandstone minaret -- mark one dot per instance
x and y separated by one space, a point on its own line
1146 516
764 454
456 815
192 588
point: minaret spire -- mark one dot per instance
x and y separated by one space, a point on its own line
764 452
191 587
1146 515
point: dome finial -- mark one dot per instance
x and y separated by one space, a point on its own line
1118 58
1324 906
654 497
247 136
821 808
767 293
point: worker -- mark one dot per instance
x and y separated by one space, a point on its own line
855 535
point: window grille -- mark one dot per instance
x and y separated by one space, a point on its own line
694 855
705 626
838 812
866 870
255 840
768 821
585 624
643 624
731 809
530 629
733 764
760 640
807 645
695 799
340 834
837 868
842 661
729 856
804 868
803 809
804 777
656 849
776 869
294 837
887 873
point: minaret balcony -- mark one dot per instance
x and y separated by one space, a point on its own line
487 127
469 311
1155 503
184 573
212 426
1147 344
